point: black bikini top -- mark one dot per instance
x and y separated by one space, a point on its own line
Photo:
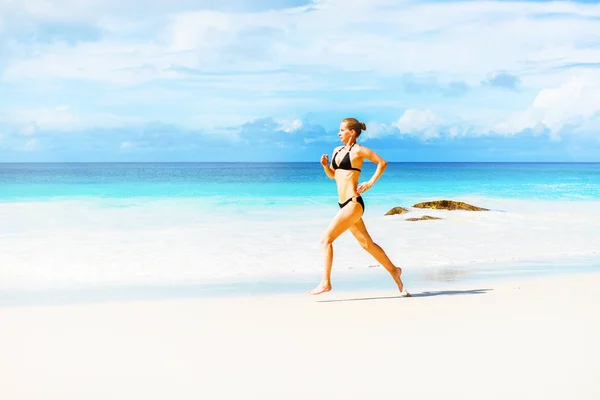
345 164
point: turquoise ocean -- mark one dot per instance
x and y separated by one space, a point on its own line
276 184
240 227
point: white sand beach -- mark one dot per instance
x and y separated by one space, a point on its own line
518 339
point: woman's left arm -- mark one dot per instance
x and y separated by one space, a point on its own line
381 166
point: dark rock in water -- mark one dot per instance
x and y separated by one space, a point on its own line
397 210
423 218
449 205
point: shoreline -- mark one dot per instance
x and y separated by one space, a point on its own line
444 277
55 246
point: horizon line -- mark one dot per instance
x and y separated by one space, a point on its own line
292 162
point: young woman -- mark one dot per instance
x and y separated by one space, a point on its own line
345 168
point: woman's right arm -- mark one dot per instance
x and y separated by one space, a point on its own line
325 163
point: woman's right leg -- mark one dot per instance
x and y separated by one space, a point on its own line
344 219
359 230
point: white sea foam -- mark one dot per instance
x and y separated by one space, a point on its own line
106 242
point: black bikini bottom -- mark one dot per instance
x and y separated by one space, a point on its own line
359 200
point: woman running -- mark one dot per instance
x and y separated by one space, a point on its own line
345 168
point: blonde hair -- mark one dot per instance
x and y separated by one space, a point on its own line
354 124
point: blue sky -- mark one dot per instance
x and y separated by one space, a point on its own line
265 80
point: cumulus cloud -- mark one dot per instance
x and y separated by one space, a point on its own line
284 133
574 104
376 130
289 125
424 123
570 108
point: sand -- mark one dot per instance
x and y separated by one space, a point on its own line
528 339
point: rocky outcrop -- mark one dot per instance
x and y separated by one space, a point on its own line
397 210
449 205
423 218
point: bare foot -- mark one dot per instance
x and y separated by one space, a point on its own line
399 282
321 288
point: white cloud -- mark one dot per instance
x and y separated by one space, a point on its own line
457 131
201 30
45 118
122 64
95 10
424 123
451 40
59 118
376 130
572 107
289 125
575 103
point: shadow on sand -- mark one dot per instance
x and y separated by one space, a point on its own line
422 294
